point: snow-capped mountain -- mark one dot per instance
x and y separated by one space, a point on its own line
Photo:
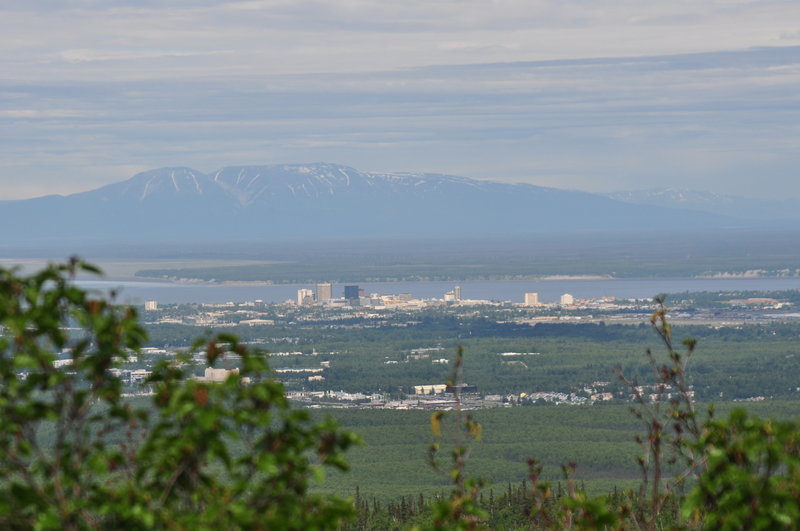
318 201
672 196
721 204
159 184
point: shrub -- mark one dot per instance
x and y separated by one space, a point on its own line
74 453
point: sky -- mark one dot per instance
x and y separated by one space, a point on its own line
595 95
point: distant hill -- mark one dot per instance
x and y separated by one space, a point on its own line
721 204
293 202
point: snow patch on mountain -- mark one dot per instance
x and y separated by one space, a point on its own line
672 195
721 204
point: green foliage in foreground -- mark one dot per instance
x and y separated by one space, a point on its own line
112 466
235 454
752 477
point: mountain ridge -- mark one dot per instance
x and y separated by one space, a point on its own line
716 203
320 200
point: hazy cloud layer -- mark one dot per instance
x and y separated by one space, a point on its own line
600 95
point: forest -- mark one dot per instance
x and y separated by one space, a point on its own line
732 363
600 439
236 453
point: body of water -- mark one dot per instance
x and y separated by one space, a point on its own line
137 291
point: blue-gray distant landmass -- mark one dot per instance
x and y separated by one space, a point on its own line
313 201
723 204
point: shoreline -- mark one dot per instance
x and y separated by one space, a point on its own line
521 279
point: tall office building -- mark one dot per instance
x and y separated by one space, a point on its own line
567 299
532 299
150 306
351 293
457 293
324 292
304 296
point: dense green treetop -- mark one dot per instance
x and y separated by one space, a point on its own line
203 455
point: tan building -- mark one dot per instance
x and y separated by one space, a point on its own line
532 299
304 297
567 300
435 389
324 292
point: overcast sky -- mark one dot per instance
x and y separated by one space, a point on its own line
596 95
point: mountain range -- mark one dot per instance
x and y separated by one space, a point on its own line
723 204
318 201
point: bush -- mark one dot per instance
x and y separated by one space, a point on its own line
75 454
752 475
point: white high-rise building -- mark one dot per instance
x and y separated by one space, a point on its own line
457 293
150 306
532 299
567 300
305 296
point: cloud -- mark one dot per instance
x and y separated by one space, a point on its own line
34 114
249 38
606 94
87 55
